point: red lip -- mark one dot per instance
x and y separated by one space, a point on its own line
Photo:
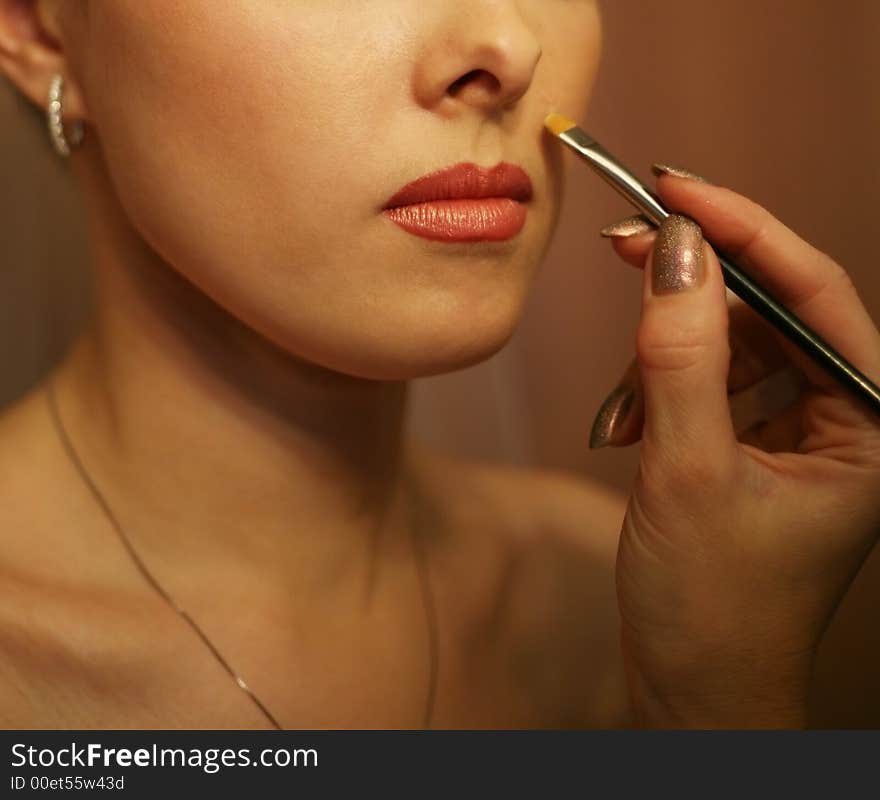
464 203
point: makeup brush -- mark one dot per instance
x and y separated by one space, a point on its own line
646 201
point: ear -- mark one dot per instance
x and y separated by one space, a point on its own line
32 50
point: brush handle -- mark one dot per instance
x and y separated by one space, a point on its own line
649 203
805 338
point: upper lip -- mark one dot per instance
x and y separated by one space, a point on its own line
466 181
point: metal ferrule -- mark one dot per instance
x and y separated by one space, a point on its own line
615 174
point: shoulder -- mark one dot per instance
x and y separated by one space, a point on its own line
563 612
549 538
550 512
537 505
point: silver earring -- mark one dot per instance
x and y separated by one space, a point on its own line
63 143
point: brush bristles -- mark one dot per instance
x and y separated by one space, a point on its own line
557 124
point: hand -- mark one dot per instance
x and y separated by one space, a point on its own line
737 547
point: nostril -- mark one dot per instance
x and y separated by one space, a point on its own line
475 76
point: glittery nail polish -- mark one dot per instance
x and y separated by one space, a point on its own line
679 172
631 226
611 416
678 260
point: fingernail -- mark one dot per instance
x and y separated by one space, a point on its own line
666 169
611 416
631 226
678 256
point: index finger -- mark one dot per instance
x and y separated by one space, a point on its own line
805 279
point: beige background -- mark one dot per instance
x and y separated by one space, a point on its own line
777 99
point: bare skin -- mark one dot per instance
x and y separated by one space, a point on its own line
240 394
523 593
521 565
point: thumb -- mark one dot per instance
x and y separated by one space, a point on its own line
683 351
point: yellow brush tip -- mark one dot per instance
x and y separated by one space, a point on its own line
558 124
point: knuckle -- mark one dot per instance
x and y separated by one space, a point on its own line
759 222
827 275
674 347
840 277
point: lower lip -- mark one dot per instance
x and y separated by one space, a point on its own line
492 219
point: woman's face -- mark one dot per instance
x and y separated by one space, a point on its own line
254 145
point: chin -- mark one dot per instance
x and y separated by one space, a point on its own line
438 320
434 346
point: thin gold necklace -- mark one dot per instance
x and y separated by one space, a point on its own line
424 583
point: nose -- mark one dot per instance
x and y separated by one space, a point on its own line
482 55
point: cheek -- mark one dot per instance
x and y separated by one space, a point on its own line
572 44
241 164
223 125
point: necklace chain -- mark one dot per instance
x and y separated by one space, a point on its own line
161 591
